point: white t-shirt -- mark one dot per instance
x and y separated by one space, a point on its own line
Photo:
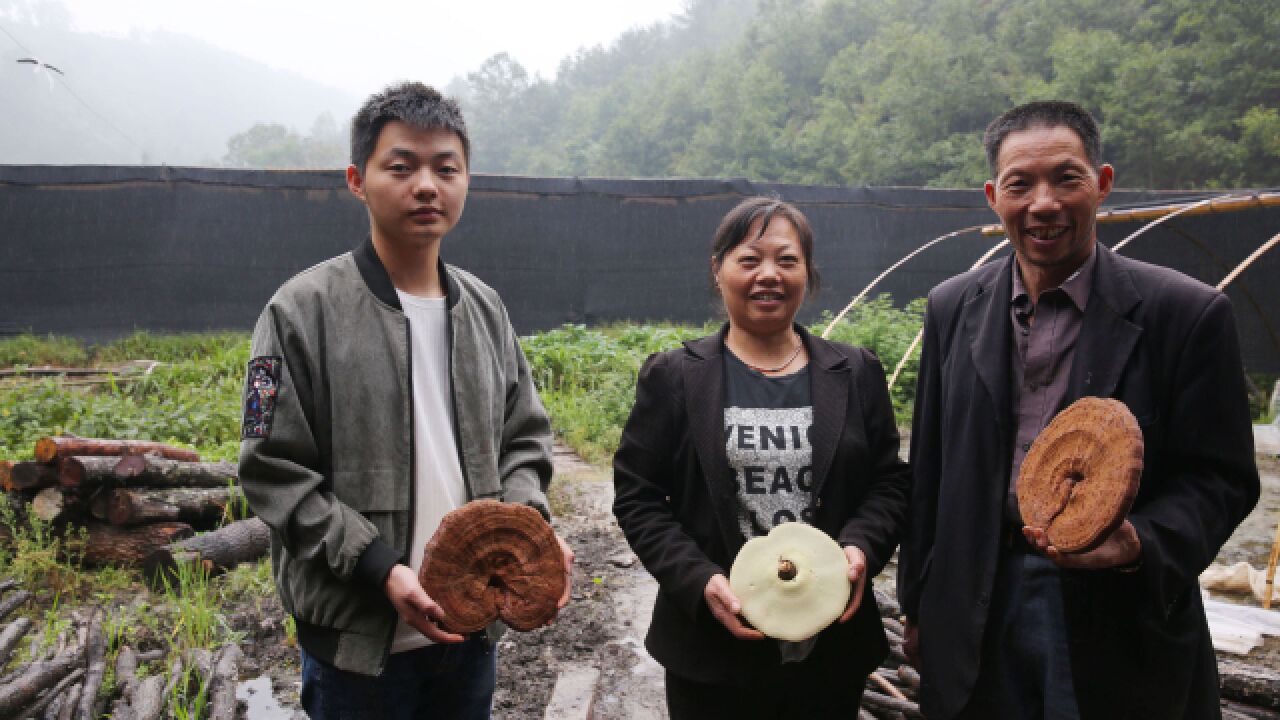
437 476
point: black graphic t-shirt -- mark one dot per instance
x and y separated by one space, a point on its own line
766 427
767 421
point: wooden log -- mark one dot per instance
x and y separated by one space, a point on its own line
1237 711
222 685
97 504
31 476
12 602
909 676
197 506
38 708
214 552
1249 684
22 690
155 471
58 505
96 666
148 699
10 636
49 449
54 711
87 472
126 679
111 545
885 686
6 472
69 704
884 702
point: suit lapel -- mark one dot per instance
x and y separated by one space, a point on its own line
829 379
990 332
1107 338
704 394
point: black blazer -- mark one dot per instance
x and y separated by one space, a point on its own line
1164 344
674 499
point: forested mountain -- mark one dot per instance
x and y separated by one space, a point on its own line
896 92
149 98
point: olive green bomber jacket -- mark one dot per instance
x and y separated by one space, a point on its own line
326 456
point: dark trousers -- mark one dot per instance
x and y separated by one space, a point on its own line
791 695
1025 671
446 681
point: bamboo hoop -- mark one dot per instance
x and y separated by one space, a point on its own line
836 320
920 335
1231 203
1248 261
1271 569
1161 219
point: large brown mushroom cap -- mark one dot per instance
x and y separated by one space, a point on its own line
1081 475
491 560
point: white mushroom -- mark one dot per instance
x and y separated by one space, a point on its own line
792 583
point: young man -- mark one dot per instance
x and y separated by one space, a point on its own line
1001 624
385 389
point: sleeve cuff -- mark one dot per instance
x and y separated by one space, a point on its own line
375 564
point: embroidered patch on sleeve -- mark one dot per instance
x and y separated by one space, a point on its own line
260 396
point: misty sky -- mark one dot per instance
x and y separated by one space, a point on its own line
361 47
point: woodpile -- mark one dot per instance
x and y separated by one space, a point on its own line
63 678
1249 691
893 690
119 501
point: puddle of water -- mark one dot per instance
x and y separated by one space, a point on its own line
260 701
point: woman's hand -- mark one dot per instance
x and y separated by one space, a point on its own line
857 577
725 607
415 607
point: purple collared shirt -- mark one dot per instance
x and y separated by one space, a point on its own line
1044 345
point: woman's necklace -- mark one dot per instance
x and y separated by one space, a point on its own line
790 358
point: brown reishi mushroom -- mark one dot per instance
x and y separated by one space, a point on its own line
491 560
792 583
1082 473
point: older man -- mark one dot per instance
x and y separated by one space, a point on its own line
1002 624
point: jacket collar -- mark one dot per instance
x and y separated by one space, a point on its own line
375 276
1107 336
829 378
990 334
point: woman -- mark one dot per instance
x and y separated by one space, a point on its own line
738 432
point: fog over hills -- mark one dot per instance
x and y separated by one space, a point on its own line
146 99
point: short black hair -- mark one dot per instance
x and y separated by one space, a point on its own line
735 226
1044 113
416 105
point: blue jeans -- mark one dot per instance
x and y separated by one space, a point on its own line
1025 671
447 681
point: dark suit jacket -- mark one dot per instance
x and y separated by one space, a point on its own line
1164 344
675 500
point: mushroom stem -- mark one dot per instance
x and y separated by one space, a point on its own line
786 570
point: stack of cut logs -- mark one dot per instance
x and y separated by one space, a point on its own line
893 690
139 503
63 679
1249 691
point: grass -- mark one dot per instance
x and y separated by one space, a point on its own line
586 377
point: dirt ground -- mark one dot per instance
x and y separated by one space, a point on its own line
604 625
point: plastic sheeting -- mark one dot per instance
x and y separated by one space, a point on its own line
96 252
